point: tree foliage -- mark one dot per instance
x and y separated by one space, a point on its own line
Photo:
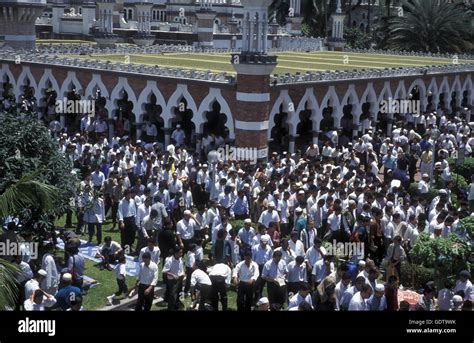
450 254
431 26
27 147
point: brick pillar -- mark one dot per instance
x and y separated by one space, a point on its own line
253 106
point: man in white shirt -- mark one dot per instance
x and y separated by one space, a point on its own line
153 250
51 281
127 211
245 275
269 216
146 282
296 274
359 300
37 301
322 269
200 281
94 216
302 295
314 254
464 284
220 276
274 273
424 184
151 132
173 274
185 231
296 245
32 285
178 136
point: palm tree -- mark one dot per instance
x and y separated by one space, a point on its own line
26 192
431 26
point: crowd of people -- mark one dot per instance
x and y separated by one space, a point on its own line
205 227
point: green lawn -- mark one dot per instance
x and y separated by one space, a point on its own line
288 62
96 297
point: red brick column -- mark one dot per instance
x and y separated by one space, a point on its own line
253 107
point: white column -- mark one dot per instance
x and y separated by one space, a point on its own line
265 38
251 33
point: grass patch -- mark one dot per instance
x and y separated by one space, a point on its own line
288 62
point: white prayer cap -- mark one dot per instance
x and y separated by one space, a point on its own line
178 126
42 272
248 221
301 192
187 213
67 277
361 263
298 210
271 204
264 238
389 204
457 299
246 185
263 301
442 191
425 176
379 288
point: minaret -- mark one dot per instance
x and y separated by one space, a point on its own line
253 67
336 42
17 22
205 24
294 18
105 37
144 36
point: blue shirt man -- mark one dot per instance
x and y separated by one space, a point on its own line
67 293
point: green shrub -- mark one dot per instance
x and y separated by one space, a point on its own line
415 276
467 225
466 169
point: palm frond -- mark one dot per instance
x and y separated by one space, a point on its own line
8 286
27 192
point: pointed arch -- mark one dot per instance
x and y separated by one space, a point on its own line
206 106
96 83
70 79
180 92
385 93
456 87
121 86
285 100
48 77
421 86
25 75
351 94
5 71
401 92
151 88
444 86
